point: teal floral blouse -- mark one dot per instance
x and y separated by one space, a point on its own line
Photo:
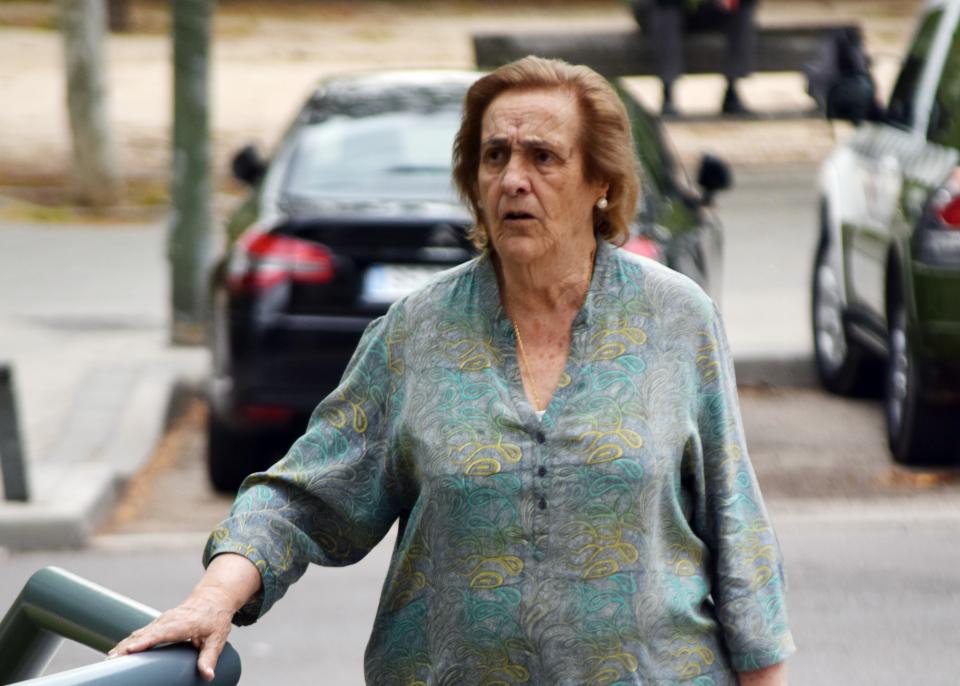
621 539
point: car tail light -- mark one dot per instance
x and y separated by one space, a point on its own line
936 241
643 246
266 414
262 260
949 213
945 203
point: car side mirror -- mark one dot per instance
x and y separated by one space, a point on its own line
853 98
248 166
714 175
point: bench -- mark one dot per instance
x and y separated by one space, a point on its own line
631 53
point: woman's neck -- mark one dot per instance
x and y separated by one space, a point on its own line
554 283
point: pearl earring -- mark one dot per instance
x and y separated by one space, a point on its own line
602 204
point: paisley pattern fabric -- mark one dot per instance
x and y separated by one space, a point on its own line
619 540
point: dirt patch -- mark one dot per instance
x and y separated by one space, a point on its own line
171 493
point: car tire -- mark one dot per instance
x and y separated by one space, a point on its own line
843 365
919 433
231 454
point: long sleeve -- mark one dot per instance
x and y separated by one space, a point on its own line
332 497
748 579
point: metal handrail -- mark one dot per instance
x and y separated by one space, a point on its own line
55 604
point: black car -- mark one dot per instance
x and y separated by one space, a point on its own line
355 209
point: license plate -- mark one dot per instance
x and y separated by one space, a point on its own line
384 283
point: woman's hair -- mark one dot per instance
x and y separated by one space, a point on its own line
606 143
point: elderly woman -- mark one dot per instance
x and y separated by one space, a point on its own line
555 426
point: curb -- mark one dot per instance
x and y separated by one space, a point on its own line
70 500
901 510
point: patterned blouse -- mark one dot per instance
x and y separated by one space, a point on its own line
621 539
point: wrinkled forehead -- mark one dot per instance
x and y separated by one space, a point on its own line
549 114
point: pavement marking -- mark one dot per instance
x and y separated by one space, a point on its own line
878 511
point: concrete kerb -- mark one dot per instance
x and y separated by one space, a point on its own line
70 500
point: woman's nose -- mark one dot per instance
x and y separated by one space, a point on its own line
516 180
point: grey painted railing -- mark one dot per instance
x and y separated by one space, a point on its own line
55 604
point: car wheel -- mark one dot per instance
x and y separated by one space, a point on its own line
919 433
231 454
844 366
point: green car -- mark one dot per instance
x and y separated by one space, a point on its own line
886 285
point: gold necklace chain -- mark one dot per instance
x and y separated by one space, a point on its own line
526 363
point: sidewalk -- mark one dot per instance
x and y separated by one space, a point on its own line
83 318
83 326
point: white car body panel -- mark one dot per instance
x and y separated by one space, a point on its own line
845 180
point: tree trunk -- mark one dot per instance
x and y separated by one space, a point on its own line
191 179
95 178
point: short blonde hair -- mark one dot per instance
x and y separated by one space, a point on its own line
606 142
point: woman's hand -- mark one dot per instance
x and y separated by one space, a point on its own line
204 618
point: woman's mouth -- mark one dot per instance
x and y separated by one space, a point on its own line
517 216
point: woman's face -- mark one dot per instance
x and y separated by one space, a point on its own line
534 198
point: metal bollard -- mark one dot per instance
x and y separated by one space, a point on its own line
55 604
12 466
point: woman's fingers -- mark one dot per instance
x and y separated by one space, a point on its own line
182 623
160 630
135 642
210 654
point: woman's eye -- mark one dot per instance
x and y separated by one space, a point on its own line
544 156
494 155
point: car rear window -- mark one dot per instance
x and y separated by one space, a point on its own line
944 125
381 154
900 111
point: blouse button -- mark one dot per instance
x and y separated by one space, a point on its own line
541 437
542 471
542 504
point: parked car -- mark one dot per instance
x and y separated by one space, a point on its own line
886 285
355 209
